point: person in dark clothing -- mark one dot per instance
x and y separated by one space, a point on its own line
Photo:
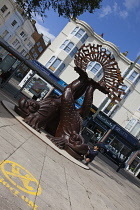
5 75
91 154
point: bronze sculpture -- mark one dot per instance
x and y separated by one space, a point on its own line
59 116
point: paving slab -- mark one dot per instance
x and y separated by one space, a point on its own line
10 107
34 175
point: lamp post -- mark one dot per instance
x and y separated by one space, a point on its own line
131 66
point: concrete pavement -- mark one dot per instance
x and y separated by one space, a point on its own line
35 176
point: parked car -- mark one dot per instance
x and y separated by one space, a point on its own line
110 152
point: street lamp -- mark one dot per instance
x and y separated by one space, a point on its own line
131 66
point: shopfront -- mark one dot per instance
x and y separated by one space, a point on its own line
104 129
37 87
99 127
134 167
122 142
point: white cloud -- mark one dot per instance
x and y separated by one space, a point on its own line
123 13
44 31
115 7
131 4
117 10
106 11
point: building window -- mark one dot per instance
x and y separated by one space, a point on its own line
69 47
131 124
109 108
84 38
136 80
4 34
4 8
32 50
125 72
60 68
74 51
136 129
23 52
75 30
35 55
108 52
15 42
29 44
38 44
135 165
50 61
126 90
18 47
113 110
40 49
116 146
133 77
55 64
46 40
14 23
27 56
95 68
80 34
22 34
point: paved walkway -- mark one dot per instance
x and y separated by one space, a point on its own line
35 176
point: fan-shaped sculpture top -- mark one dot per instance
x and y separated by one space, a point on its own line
111 80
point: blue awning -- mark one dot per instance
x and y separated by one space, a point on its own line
126 135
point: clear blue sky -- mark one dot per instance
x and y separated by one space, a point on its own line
119 20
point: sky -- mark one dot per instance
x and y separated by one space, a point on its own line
118 20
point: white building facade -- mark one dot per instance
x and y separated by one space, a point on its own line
59 58
15 28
